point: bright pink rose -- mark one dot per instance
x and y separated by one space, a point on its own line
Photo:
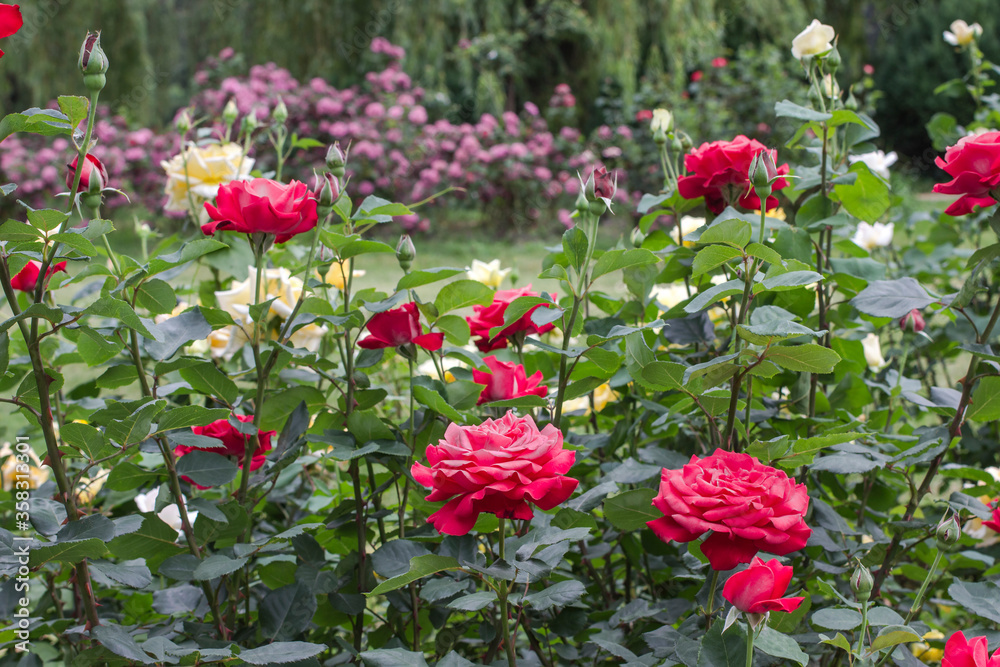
759 588
719 62
234 443
264 206
747 506
10 21
507 381
960 652
93 169
484 318
500 467
974 165
913 320
994 523
399 326
27 278
643 115
718 172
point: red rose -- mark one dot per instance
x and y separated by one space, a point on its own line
994 523
92 169
27 278
748 507
913 320
758 589
696 76
507 381
234 443
10 21
500 467
974 165
262 205
604 185
960 652
719 62
484 318
399 326
643 115
718 172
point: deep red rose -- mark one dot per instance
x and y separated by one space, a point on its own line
262 205
10 21
759 588
92 169
747 506
500 467
974 165
507 381
399 326
962 652
234 443
994 523
718 172
484 318
27 278
605 184
643 115
913 320
719 62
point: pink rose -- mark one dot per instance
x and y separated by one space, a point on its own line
747 506
507 381
974 165
262 205
960 652
759 588
501 467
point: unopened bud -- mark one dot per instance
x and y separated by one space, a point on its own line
183 121
763 171
659 137
833 60
637 238
93 62
405 252
336 160
250 122
582 205
862 583
280 113
686 143
852 102
948 531
676 144
913 321
230 113
327 191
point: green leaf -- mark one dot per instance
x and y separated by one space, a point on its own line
787 109
117 309
67 552
772 330
217 565
136 427
186 253
97 349
420 567
762 252
893 635
127 476
207 379
985 404
77 242
787 280
575 245
836 618
520 402
155 541
395 657
186 416
365 426
462 294
474 601
867 198
615 260
207 468
810 358
664 375
703 300
156 296
780 645
733 232
74 107
363 247
46 219
437 403
712 257
629 511
557 595
980 598
287 611
117 640
87 439
426 277
279 653
892 298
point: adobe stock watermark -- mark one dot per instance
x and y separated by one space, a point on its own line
22 585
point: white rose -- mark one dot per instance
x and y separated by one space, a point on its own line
487 273
688 224
170 515
873 352
662 120
962 34
878 161
815 39
207 167
870 237
308 337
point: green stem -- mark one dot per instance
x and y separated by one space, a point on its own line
917 601
864 626
751 635
508 644
710 611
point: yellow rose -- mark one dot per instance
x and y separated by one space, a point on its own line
207 168
603 395
488 273
962 34
873 352
88 487
924 652
668 296
815 39
337 275
688 224
13 470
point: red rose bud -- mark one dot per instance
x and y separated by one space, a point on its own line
93 62
759 588
913 321
262 206
862 583
327 190
93 175
507 381
27 278
948 531
604 185
763 171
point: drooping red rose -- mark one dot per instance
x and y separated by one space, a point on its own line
501 467
718 172
93 169
399 326
234 443
10 21
759 588
27 278
507 381
962 652
747 507
974 165
264 206
484 318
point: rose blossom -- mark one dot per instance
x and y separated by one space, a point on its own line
874 236
194 175
93 169
506 381
234 443
815 39
962 34
501 467
962 652
974 165
10 21
170 515
27 278
759 588
718 171
873 352
263 206
399 326
487 273
485 318
747 506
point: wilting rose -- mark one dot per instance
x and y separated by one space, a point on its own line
194 176
747 507
719 173
487 273
399 326
962 652
27 278
507 381
974 165
485 318
93 170
760 588
501 467
815 39
10 21
234 443
262 206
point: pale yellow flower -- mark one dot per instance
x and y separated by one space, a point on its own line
962 34
603 395
207 168
873 352
13 469
815 39
337 275
688 224
874 236
662 120
487 273
88 487
178 309
668 296
924 652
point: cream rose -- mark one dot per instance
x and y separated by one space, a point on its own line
816 39
337 275
874 236
662 120
873 352
207 168
487 273
962 34
170 515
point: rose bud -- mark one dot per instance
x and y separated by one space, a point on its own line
230 113
862 583
93 62
763 170
637 238
405 252
913 321
250 122
280 113
327 190
93 176
948 531
336 160
183 122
